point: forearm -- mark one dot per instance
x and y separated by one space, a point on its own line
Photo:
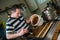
12 36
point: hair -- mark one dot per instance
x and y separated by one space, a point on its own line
16 6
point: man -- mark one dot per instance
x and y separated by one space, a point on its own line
16 25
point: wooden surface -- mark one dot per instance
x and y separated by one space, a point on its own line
45 30
41 31
56 32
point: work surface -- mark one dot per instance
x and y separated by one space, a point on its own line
48 31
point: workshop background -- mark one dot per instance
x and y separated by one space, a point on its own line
31 7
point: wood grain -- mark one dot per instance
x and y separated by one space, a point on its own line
41 31
56 32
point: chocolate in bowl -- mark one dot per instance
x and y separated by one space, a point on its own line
35 20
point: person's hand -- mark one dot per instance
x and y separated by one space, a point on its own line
28 21
32 16
23 31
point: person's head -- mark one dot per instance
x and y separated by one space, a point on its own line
16 10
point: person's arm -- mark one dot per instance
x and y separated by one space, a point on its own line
12 36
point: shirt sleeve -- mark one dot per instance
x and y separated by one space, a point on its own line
9 28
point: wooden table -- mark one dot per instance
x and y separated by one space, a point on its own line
41 31
56 32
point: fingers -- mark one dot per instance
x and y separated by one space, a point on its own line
32 17
25 30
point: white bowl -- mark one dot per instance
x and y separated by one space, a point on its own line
39 21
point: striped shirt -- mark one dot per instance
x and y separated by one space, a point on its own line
14 25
